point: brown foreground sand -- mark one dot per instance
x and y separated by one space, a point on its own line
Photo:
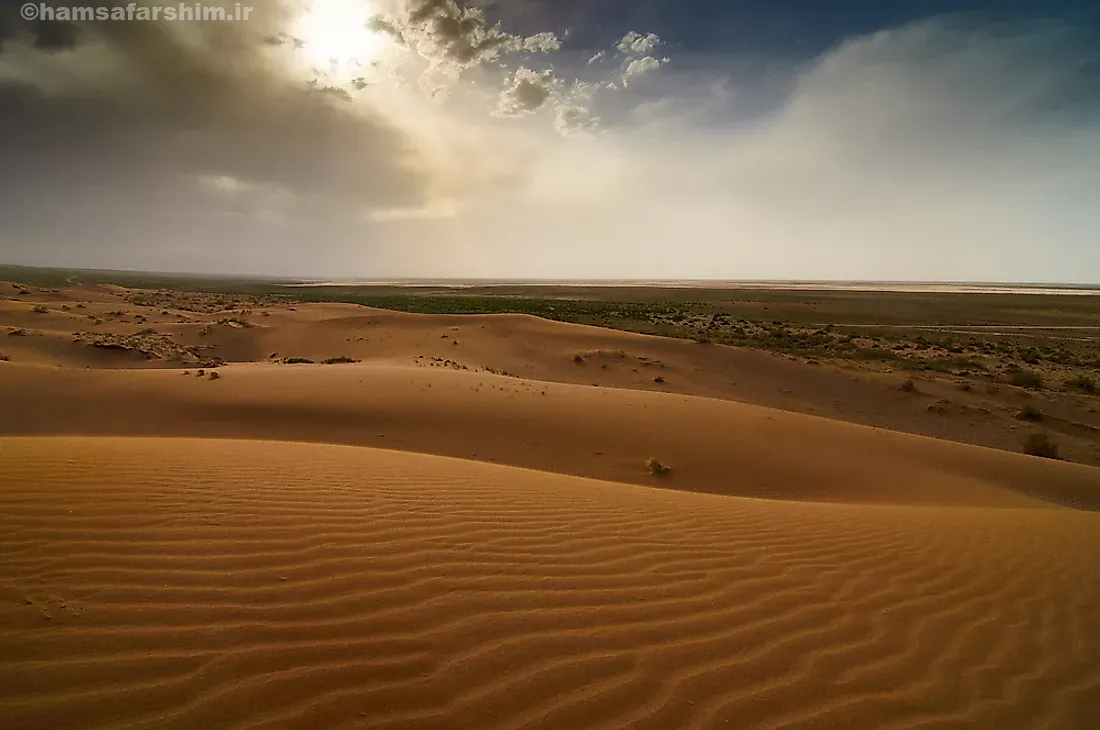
176 583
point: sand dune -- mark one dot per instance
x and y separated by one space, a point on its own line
713 446
193 583
182 329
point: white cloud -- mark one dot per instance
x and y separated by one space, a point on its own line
634 42
640 67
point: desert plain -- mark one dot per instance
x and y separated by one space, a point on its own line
228 504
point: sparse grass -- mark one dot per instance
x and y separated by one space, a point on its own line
297 361
909 386
338 360
1037 444
656 468
1025 378
1030 412
1083 383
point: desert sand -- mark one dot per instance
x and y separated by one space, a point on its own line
459 531
169 583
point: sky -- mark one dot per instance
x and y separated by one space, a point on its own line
915 140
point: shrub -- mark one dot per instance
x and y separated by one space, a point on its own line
1030 413
297 361
659 379
3 357
201 373
909 386
214 375
1025 378
578 358
1083 383
39 309
338 360
1037 444
656 468
17 333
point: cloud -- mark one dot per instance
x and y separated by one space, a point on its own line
434 210
527 91
640 67
454 37
937 150
929 151
156 100
634 42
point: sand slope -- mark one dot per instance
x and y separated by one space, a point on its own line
182 329
152 583
713 446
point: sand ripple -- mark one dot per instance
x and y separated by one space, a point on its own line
187 584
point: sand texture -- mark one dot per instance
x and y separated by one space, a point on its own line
184 583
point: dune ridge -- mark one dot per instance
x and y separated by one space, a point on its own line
184 583
109 327
714 446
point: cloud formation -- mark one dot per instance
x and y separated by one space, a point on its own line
934 150
527 91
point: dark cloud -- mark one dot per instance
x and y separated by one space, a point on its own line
449 34
527 91
184 99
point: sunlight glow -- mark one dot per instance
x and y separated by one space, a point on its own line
336 39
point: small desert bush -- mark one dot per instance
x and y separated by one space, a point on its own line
578 358
1037 444
338 360
1030 413
39 309
297 361
1026 378
659 379
17 333
909 386
3 357
656 468
201 373
1083 383
214 375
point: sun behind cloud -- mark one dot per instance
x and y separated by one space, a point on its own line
334 36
